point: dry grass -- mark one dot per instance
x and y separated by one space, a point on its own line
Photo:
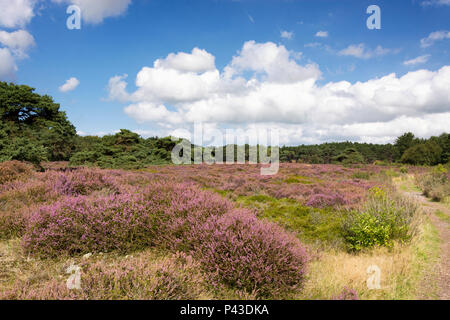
26 274
402 269
334 271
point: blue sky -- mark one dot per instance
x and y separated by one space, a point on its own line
121 37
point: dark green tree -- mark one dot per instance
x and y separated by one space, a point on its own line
34 128
428 153
350 156
403 143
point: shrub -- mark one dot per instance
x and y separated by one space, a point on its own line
361 175
18 200
81 224
160 214
325 200
81 182
435 184
247 254
403 170
12 224
367 231
383 219
14 170
182 207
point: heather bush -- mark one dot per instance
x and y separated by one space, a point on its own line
248 254
82 224
81 182
325 200
182 208
12 223
18 201
13 170
159 214
174 277
384 218
435 184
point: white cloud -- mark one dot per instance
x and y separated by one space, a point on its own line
286 34
360 51
433 37
16 13
273 61
7 64
117 88
418 60
264 87
95 11
322 34
70 85
196 61
18 42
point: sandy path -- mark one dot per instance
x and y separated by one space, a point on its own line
440 276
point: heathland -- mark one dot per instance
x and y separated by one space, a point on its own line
110 218
217 232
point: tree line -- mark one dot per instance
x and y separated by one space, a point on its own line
34 129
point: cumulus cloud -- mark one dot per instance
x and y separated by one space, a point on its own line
360 51
18 42
264 87
16 13
286 34
418 60
322 34
433 37
95 11
197 61
274 62
7 64
70 85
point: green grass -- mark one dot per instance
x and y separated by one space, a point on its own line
312 225
363 175
301 180
441 215
425 254
406 183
